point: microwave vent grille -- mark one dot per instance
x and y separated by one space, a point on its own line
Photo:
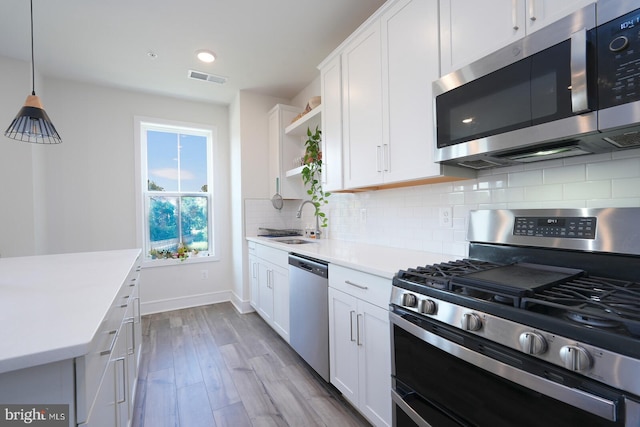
625 140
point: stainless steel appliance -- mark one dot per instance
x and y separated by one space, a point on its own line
569 89
540 326
309 311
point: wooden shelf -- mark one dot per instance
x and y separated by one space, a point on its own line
309 120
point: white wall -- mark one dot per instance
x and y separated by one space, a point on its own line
17 223
250 176
80 195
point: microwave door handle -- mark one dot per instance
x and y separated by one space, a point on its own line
579 98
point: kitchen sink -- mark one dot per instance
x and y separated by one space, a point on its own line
293 241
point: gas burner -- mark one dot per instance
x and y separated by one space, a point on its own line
592 317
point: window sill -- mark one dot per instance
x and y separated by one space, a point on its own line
172 262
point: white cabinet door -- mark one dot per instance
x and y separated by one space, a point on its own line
280 287
362 109
343 349
539 13
331 92
471 29
374 341
411 52
265 292
104 410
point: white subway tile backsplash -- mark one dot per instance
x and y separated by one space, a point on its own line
587 190
408 217
564 174
525 178
622 168
625 188
543 193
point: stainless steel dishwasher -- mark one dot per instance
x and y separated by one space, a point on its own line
309 311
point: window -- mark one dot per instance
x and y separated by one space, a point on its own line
176 195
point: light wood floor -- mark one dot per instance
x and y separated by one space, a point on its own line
211 366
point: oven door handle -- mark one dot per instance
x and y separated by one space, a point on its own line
407 409
587 402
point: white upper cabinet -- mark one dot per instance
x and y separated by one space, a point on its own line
410 51
388 66
331 93
362 109
471 29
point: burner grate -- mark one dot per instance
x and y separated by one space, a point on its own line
594 301
439 275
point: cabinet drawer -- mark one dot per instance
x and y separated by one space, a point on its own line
272 255
374 289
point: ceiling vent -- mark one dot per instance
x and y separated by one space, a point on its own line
205 77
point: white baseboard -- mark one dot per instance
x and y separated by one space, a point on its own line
242 306
159 306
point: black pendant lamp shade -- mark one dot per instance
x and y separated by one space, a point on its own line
32 124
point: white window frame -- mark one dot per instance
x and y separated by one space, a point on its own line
141 125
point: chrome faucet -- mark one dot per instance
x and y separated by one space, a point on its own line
315 212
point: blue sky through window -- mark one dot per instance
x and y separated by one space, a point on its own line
177 162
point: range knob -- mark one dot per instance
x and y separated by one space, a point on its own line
575 358
471 322
409 300
532 343
427 306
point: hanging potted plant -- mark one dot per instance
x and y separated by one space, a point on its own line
312 173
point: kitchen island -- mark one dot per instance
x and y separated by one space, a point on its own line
70 321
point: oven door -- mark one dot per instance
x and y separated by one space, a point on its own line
445 377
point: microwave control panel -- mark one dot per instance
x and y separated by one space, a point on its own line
558 227
619 60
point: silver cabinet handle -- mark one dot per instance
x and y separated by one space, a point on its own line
379 158
136 310
532 10
514 15
122 385
131 322
358 340
113 343
349 282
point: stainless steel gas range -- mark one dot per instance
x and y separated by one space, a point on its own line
540 326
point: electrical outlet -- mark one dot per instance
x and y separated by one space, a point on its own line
204 274
445 217
363 216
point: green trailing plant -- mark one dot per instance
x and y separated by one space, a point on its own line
312 173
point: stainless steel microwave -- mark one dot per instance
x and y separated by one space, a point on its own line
569 89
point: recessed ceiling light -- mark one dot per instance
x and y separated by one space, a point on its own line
152 54
205 56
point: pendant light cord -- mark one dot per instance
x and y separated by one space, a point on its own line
33 66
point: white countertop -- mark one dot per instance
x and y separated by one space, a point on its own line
379 260
52 305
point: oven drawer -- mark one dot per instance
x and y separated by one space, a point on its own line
368 287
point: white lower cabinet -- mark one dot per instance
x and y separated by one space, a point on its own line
360 342
269 278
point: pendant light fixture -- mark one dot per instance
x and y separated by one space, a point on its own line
32 124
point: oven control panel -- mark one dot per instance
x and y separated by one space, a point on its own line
558 227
